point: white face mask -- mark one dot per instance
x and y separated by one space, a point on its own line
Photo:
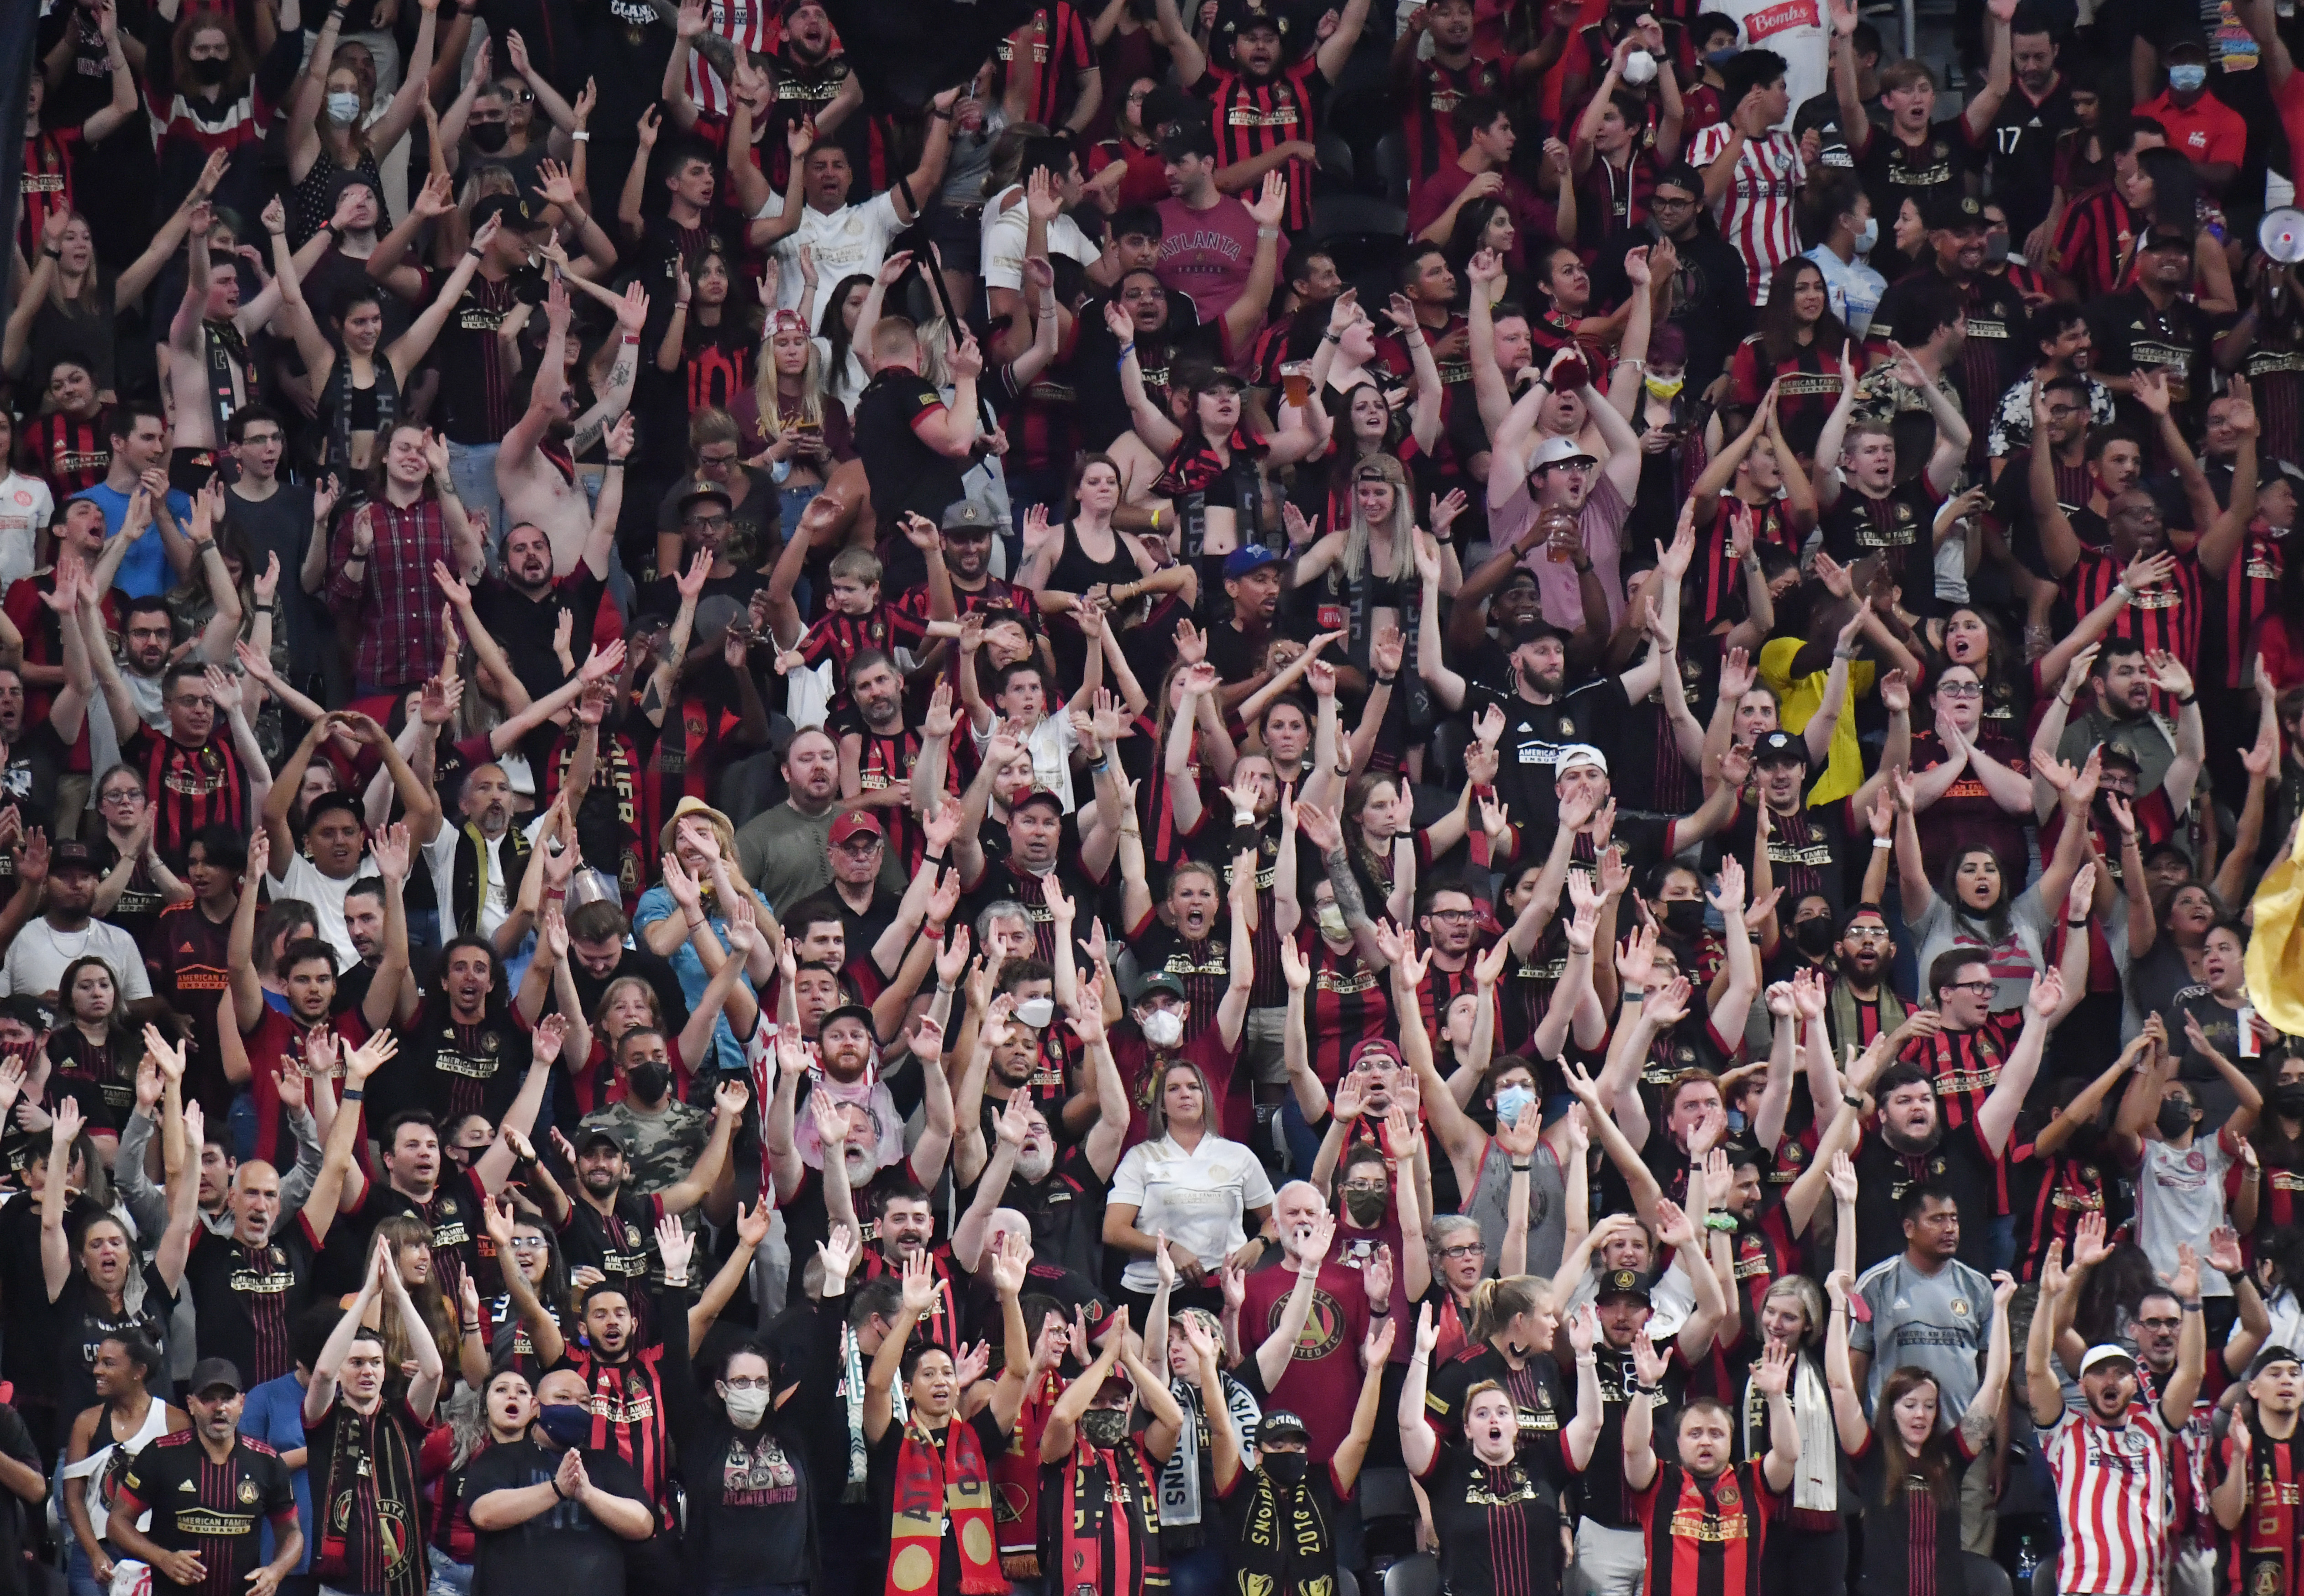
1639 67
746 1409
1869 236
1036 1012
342 107
1164 1028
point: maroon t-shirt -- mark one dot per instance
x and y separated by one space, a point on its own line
1322 1384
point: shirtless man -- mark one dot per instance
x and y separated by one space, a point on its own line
211 319
535 469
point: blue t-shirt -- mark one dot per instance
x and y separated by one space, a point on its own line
274 1413
655 904
144 570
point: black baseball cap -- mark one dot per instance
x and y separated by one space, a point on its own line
80 853
517 213
855 1011
210 1372
2166 238
1946 211
1780 748
2121 753
589 1133
1158 981
1622 1282
1279 1421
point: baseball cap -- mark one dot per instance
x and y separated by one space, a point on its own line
210 1372
517 213
700 490
75 853
1158 982
1254 556
1622 1282
1534 629
1375 1044
1780 748
1551 452
589 1133
1039 795
1946 212
856 822
1279 1421
1249 15
2107 1352
1577 753
2121 753
2273 1354
966 515
2166 238
855 1011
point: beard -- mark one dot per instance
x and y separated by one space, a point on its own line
1035 1163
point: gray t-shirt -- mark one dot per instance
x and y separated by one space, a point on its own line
1937 1322
2180 1198
2014 959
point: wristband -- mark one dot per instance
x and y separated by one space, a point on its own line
1882 843
473 253
2192 1306
580 137
1719 1221
472 1327
54 254
617 461
1519 1166
632 341
1383 680
1851 1100
2076 925
554 1484
354 1093
2187 703
933 932
1268 232
1383 1313
932 858
2123 592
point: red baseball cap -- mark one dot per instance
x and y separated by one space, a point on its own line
856 820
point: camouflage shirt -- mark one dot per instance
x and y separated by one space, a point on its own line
661 1148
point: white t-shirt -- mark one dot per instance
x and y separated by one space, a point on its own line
1050 744
2180 1198
26 506
1198 1198
326 894
36 959
853 239
1004 232
1796 30
1852 287
440 857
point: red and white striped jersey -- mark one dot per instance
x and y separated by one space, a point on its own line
747 24
2112 1494
1756 214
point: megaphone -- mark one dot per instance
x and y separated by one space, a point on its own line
2281 234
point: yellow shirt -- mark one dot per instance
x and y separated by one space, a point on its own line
1797 702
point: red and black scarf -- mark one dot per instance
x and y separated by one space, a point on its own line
934 1482
2265 1545
1110 1524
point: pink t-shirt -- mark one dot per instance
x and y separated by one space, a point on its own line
1207 254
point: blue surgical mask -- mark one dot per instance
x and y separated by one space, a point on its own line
1511 1103
1867 235
1719 58
343 107
2188 78
1735 1119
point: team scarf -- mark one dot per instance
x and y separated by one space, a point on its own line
1286 1546
227 359
2265 1543
851 1385
933 1484
339 444
1816 1482
1111 1525
1848 1023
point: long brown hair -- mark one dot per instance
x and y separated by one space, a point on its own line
1933 1462
1497 1302
405 1231
180 56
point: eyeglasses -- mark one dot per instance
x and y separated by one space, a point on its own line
1467 1249
1982 989
2058 412
708 523
121 794
194 701
748 1382
529 1244
1959 690
1453 917
1659 201
1365 1185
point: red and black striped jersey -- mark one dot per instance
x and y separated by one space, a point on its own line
1441 988
1348 1002
2051 1193
1253 118
2165 617
69 453
2243 596
191 788
1965 1065
1704 1537
1720 577
883 762
841 637
629 1417
1204 967
1807 387
1430 94
1058 52
47 184
686 754
2095 247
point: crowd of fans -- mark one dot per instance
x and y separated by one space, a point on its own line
1492 796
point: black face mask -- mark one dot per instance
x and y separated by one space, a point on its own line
1367 1208
649 1082
490 137
1105 1427
2289 1099
1815 935
2175 1118
210 70
1286 1467
1684 917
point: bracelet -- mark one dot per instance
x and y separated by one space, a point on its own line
615 462
1268 232
2065 699
1882 843
2187 703
2123 592
1386 681
932 932
1127 350
1329 337
472 1327
680 304
2075 924
1851 1100
632 341
54 254
354 1093
1386 1312
580 137
2192 1306
554 1484
1519 1166
932 858
473 253
944 116
692 924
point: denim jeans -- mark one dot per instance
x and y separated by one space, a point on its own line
792 503
449 1577
472 468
